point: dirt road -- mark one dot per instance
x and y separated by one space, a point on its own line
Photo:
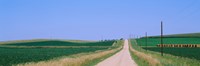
122 58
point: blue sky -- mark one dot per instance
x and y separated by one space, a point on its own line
95 19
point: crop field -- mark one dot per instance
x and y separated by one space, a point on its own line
155 41
186 35
61 43
13 56
190 52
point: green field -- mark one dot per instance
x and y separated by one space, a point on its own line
155 41
186 35
12 56
192 53
61 43
171 57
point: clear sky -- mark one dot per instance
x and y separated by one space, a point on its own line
95 19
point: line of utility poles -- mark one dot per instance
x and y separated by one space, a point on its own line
161 39
146 39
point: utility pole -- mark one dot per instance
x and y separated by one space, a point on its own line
146 40
102 39
161 38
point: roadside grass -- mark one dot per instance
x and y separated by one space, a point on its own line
142 59
83 59
117 46
168 59
138 60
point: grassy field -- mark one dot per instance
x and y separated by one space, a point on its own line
168 59
173 39
155 41
61 43
81 59
141 58
190 55
186 35
10 56
13 56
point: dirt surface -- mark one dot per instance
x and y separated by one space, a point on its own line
122 58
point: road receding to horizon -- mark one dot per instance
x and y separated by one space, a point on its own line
122 58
